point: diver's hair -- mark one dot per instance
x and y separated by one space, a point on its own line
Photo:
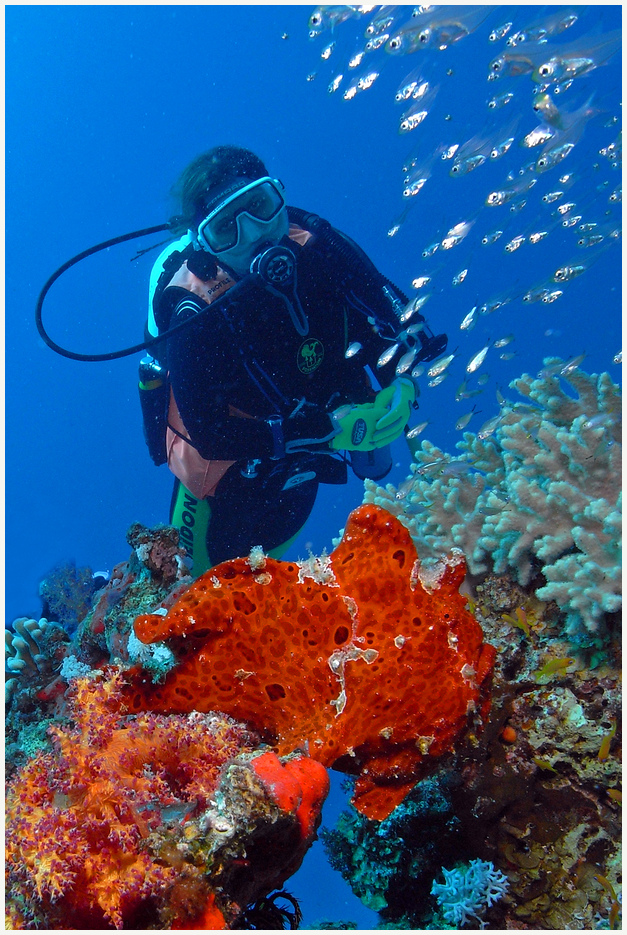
207 172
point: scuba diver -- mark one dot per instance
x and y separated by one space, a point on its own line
265 396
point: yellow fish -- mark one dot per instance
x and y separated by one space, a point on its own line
553 666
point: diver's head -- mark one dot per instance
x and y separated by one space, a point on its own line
244 216
234 205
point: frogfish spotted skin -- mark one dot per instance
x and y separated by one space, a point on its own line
357 657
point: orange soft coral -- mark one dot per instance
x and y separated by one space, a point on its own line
118 826
350 656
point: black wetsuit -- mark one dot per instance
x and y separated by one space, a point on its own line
246 352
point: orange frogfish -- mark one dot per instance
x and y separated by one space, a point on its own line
360 658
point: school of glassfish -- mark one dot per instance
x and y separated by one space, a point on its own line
533 74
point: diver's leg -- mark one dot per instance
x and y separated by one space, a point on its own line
243 515
191 517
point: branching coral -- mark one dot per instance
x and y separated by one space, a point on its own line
135 822
466 893
541 493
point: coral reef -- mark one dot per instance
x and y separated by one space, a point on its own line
67 592
152 821
468 891
179 817
538 490
536 793
376 671
153 578
41 657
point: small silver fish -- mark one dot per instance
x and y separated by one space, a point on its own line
456 234
600 420
489 428
572 364
464 420
536 294
431 464
459 278
502 342
414 116
463 392
437 380
577 58
430 250
414 187
382 21
398 223
500 32
418 371
405 487
517 61
493 304
406 361
440 365
492 237
470 320
437 27
409 85
543 28
352 349
537 236
355 60
334 84
500 100
554 156
417 430
387 355
566 273
449 152
413 306
550 197
551 297
515 243
477 359
544 105
420 282
463 166
566 207
504 195
617 358
537 137
457 468
376 42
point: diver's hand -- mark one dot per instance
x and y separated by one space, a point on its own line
357 426
396 399
301 432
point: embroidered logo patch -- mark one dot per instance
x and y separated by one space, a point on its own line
359 431
309 355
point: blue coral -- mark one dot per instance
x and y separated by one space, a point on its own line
537 490
467 892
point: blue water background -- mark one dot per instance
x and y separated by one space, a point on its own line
107 104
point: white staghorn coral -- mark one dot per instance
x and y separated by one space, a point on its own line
542 492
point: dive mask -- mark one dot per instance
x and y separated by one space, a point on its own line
253 210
